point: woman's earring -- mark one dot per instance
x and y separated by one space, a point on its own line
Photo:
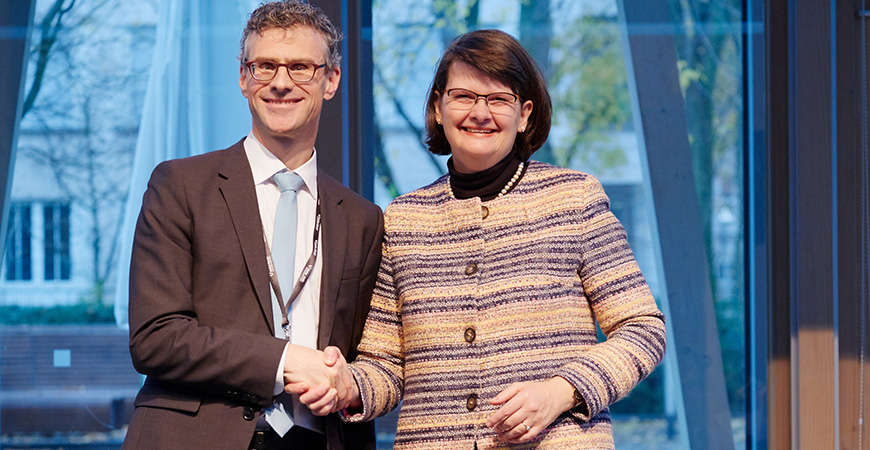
523 129
438 121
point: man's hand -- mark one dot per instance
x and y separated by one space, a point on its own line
305 372
321 379
323 399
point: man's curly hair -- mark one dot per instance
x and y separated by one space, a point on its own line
288 14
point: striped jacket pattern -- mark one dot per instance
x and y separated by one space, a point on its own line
473 296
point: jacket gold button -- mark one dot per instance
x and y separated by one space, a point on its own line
471 269
484 212
470 335
471 403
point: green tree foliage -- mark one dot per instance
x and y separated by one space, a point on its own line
590 94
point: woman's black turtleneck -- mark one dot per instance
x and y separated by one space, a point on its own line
487 183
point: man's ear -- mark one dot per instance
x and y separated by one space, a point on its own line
332 83
242 84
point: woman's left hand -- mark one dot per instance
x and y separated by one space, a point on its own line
529 407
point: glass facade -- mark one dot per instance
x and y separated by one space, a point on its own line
580 49
63 344
66 378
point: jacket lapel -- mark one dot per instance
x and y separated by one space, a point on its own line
334 238
237 186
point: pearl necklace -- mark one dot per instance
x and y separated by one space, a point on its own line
504 190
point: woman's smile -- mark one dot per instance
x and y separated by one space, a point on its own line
478 138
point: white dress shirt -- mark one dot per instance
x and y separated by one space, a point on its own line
304 313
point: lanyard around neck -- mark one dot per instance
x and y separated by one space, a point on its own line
303 277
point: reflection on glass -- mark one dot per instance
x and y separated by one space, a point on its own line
83 98
65 371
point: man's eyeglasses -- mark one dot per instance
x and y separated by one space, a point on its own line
498 102
299 72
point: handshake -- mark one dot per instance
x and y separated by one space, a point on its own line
322 380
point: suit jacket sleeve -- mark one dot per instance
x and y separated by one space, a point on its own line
353 228
183 323
367 281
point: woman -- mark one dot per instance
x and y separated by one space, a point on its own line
483 317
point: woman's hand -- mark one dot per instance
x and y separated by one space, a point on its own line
324 398
529 407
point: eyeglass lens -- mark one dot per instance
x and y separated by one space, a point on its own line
498 102
266 70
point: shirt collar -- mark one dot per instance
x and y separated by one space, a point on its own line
264 164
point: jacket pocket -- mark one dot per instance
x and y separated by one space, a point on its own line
157 394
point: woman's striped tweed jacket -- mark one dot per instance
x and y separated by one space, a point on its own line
474 296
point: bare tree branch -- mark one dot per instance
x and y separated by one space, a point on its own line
50 27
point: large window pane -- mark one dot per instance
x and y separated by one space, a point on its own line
579 47
65 371
65 361
710 52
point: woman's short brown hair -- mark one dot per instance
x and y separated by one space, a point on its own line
499 56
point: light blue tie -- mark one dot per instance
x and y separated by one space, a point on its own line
284 234
283 256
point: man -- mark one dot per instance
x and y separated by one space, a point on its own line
206 323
